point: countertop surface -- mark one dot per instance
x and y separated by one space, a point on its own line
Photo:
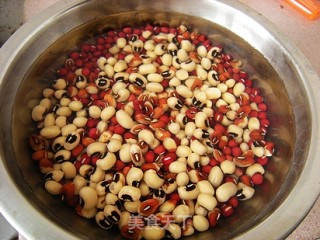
305 34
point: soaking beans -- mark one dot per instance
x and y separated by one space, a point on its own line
152 130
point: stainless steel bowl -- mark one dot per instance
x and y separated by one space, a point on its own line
287 80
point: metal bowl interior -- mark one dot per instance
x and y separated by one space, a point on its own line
31 65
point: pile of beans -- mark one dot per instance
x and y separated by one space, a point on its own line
152 123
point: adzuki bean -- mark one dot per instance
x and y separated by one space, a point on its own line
152 121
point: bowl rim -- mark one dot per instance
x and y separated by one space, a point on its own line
307 186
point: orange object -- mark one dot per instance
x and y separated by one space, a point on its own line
308 8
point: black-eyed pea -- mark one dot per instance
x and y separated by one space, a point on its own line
215 176
134 177
144 188
202 74
228 167
231 115
82 113
107 161
201 133
58 143
146 69
124 119
48 92
152 179
124 219
68 129
107 113
244 146
204 160
155 78
98 175
49 120
101 62
238 89
71 140
129 193
255 168
62 155
228 97
132 207
159 49
96 147
81 82
182 179
230 83
193 160
202 51
188 192
64 102
200 223
201 120
197 147
181 213
121 42
189 65
102 220
46 102
124 153
114 145
75 106
213 52
53 187
114 49
102 189
86 213
183 151
160 195
177 167
207 201
182 55
205 187
206 63
182 74
149 45
244 192
59 83
112 213
234 106
253 123
69 170
79 182
190 128
187 45
182 136
223 88
200 210
120 66
174 103
174 127
86 170
213 78
166 59
235 131
173 231
257 149
38 113
154 87
169 144
55 175
88 197
184 91
153 232
94 111
225 191
59 94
